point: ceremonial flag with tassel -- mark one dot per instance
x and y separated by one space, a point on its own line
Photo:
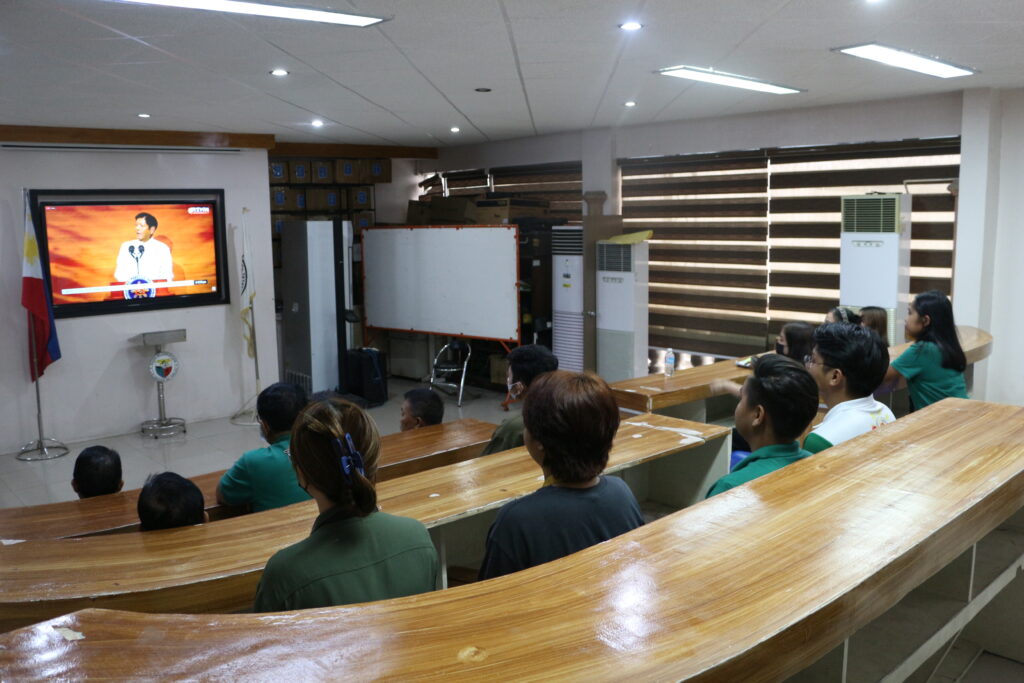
35 297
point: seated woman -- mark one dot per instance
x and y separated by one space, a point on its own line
354 553
795 340
570 420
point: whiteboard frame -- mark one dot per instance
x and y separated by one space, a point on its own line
448 333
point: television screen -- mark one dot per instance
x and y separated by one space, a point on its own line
109 252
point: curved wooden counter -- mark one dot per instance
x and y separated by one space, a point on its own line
401 454
657 392
753 584
216 567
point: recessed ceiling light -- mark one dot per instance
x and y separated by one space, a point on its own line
455 129
261 10
279 72
630 103
695 73
317 123
482 89
631 26
143 116
903 59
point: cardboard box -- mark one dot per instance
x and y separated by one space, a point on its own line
497 211
362 219
349 171
277 221
287 199
299 171
453 210
418 213
279 172
377 170
499 368
330 199
360 197
322 172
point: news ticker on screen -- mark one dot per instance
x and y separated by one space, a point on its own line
137 285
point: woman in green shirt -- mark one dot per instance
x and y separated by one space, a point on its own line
934 365
355 553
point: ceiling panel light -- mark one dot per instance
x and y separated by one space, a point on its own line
631 26
695 73
279 72
902 59
317 123
261 10
630 103
455 129
143 116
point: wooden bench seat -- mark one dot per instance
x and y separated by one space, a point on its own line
755 584
216 567
656 393
401 454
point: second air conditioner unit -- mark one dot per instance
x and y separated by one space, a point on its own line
622 277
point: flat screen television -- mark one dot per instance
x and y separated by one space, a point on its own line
115 251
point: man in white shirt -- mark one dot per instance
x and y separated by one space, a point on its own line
848 362
144 256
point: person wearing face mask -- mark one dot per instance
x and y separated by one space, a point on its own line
525 364
264 477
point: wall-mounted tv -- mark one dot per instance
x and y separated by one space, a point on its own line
114 251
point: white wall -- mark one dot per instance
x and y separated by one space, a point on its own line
101 386
391 200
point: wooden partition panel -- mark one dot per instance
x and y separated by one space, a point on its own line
752 585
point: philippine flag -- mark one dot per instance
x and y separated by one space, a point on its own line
36 299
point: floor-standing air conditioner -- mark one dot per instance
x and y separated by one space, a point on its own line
874 261
621 310
567 296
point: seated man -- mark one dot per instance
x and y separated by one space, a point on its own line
777 402
848 363
421 408
169 500
264 477
525 364
570 419
97 472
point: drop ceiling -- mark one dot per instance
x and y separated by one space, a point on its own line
552 65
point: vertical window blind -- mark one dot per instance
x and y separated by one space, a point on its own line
745 242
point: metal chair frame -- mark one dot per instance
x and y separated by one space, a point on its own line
440 371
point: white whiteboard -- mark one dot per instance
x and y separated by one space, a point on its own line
454 280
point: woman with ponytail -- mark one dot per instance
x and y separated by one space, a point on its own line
355 553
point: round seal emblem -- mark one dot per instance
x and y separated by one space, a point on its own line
141 289
164 366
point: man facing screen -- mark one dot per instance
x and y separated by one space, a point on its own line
144 257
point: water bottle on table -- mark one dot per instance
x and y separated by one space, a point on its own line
670 363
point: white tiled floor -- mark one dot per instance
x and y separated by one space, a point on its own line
208 446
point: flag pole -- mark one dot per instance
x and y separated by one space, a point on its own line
42 448
247 416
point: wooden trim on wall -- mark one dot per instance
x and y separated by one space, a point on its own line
117 136
315 149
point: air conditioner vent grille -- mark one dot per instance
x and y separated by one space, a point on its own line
615 257
871 213
567 242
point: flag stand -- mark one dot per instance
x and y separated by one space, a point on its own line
247 416
42 448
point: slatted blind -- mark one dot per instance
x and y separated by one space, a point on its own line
560 184
708 257
805 217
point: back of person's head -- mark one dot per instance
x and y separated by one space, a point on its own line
169 500
279 404
856 351
425 404
786 390
332 440
529 362
97 472
940 329
877 319
841 314
798 338
573 415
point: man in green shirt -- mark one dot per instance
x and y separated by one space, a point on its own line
264 477
777 402
525 364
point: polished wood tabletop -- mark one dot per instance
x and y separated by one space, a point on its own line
215 567
401 454
657 392
754 584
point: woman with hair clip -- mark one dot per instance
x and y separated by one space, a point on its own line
934 364
355 553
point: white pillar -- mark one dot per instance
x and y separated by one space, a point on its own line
600 169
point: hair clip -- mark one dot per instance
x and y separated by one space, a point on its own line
354 459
